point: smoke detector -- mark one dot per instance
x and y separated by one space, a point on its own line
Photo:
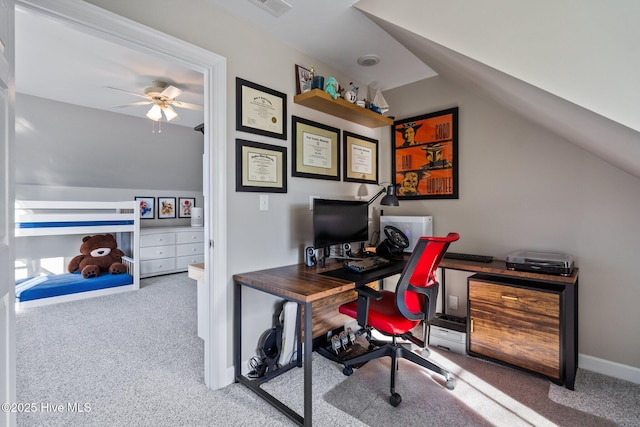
368 60
274 7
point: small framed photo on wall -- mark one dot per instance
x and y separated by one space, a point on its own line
166 207
185 204
147 207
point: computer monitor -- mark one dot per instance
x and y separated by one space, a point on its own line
339 221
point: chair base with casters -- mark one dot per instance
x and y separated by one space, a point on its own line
396 314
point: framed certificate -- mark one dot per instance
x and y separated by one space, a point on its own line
316 152
260 110
360 158
260 167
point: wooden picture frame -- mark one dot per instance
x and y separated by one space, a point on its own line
360 158
260 110
316 151
185 204
166 207
303 80
147 207
260 167
425 156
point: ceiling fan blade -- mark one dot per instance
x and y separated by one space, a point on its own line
171 92
133 104
129 92
187 105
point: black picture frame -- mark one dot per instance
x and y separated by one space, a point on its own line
147 207
360 158
260 167
166 207
303 80
425 156
315 150
260 110
185 204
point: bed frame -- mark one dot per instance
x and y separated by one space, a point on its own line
57 218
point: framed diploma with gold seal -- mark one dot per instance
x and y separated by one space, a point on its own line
260 167
260 110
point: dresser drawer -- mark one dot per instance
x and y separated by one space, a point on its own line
156 252
182 262
190 236
155 266
157 239
512 297
190 249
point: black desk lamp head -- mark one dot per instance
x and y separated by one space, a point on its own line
390 199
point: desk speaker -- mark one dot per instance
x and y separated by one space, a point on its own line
310 257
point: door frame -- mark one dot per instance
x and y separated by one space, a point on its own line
99 22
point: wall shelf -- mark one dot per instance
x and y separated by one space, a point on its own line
322 101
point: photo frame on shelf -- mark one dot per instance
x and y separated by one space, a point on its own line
316 150
185 204
166 207
360 158
260 167
425 156
260 110
147 207
303 80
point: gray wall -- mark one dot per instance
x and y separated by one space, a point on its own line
59 144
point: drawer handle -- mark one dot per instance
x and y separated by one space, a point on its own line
510 298
471 326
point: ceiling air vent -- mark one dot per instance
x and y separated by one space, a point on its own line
274 7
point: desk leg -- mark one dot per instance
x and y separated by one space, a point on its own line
308 357
237 330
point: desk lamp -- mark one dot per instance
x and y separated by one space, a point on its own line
390 199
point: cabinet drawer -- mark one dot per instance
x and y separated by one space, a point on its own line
157 266
190 249
156 252
512 297
182 263
157 239
190 236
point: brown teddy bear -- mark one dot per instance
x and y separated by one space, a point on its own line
100 253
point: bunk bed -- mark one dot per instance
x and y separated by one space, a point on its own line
58 218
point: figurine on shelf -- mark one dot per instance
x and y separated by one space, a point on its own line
332 87
351 95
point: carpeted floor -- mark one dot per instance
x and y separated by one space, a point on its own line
486 394
134 359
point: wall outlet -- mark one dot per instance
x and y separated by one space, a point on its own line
453 302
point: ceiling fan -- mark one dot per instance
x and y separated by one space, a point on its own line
163 97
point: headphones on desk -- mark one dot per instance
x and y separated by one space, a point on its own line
395 243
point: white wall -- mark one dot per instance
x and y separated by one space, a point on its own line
522 187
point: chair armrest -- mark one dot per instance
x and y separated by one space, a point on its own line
365 293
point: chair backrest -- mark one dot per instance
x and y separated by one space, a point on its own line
418 285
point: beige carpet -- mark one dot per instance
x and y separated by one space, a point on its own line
486 394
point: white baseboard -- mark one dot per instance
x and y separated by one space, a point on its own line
612 369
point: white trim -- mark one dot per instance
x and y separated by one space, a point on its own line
611 369
73 297
99 22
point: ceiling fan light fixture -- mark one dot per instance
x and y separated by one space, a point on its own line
368 60
169 113
155 113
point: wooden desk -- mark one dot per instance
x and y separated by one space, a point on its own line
505 344
307 286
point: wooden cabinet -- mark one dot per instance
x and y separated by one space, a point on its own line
322 101
528 324
165 250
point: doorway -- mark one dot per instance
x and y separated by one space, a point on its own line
92 20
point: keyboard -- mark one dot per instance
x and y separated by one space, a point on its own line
468 257
366 264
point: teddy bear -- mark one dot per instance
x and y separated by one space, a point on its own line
100 253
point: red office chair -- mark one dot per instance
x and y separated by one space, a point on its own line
396 314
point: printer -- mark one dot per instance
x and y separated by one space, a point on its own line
540 262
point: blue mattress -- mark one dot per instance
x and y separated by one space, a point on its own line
65 284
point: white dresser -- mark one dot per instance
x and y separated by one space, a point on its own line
166 250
